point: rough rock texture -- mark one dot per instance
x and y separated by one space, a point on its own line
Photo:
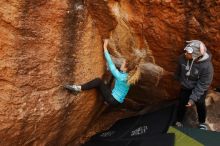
47 43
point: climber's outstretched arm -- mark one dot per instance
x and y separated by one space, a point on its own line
115 72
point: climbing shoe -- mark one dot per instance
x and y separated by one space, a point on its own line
73 88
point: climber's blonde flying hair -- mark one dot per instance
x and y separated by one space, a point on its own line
133 69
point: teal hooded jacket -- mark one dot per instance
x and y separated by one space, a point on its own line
121 86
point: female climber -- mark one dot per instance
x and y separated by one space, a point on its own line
128 74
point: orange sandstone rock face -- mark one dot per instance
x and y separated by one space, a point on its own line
45 44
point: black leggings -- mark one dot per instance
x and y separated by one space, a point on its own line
200 105
103 88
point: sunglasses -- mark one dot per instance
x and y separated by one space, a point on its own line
189 50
